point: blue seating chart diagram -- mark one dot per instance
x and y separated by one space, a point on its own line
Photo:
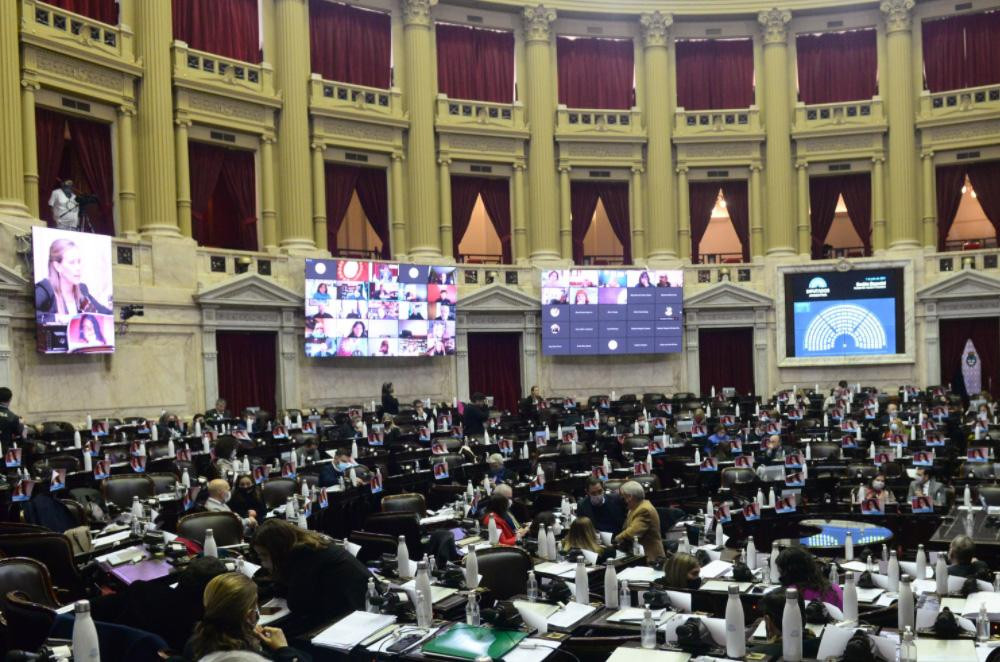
845 328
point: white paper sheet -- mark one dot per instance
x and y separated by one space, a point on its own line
352 548
276 603
628 654
438 593
640 573
351 630
562 569
680 601
605 538
634 615
910 568
531 649
714 569
570 615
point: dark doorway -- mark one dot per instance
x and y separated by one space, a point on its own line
495 367
248 369
725 358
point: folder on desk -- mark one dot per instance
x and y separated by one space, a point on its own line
467 642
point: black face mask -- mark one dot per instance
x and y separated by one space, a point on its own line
694 583
246 490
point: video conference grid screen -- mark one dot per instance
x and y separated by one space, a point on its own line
854 313
74 307
611 311
359 308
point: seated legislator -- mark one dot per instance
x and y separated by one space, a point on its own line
717 437
925 485
420 414
218 412
497 510
218 501
962 555
773 607
583 536
229 624
877 489
800 570
475 415
497 472
606 511
321 581
534 398
246 500
224 463
681 571
330 473
642 522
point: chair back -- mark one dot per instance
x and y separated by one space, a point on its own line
504 570
981 470
67 462
737 476
54 551
612 485
397 524
649 482
991 493
863 472
120 490
227 528
825 451
276 491
402 503
164 482
27 601
373 545
29 578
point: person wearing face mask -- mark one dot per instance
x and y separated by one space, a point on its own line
877 490
168 427
419 413
330 474
642 523
496 470
496 510
891 414
230 624
606 511
224 463
218 501
800 570
925 485
246 500
681 571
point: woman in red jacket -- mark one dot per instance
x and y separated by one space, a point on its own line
496 509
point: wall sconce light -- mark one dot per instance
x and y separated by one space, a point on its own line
243 264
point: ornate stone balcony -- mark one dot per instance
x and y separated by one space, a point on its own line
599 125
357 102
77 36
965 104
209 72
843 118
943 263
480 117
722 125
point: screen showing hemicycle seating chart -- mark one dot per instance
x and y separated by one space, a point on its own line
854 313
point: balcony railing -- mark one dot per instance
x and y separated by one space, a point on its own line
598 123
960 259
357 253
479 258
727 123
359 99
200 66
836 117
708 274
959 102
64 28
720 258
477 116
603 260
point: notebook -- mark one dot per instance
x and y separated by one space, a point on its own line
467 642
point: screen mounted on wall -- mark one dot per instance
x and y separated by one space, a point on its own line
844 314
74 309
359 308
611 311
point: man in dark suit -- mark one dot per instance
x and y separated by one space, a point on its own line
219 412
475 415
10 423
606 511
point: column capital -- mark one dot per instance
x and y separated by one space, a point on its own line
397 156
756 167
682 170
417 12
31 84
565 169
520 165
127 109
268 138
897 14
538 23
444 160
637 169
926 154
774 22
318 146
801 165
655 28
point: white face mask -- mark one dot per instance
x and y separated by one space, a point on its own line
226 497
878 485
894 427
597 500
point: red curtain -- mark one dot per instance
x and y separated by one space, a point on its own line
238 177
714 74
595 73
738 206
949 180
496 199
701 200
350 44
247 369
961 51
495 367
725 358
373 194
582 204
464 191
985 335
341 181
225 27
474 63
223 197
92 149
50 136
985 179
837 66
105 11
823 194
614 195
857 192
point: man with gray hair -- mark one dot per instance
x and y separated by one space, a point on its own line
496 470
642 522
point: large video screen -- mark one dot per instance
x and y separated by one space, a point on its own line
611 311
852 313
358 308
74 308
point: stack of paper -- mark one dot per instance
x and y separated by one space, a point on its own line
351 630
563 569
640 573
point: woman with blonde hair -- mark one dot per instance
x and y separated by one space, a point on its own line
230 624
681 571
63 292
582 535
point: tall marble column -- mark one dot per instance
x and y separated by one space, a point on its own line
183 170
902 210
399 242
683 213
565 218
662 222
268 212
421 166
929 203
544 228
802 209
157 181
780 235
126 171
12 199
756 213
291 76
445 224
520 215
319 219
878 205
638 225
29 86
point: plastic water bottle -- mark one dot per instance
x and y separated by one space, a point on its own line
967 497
834 575
893 573
610 586
582 586
907 649
870 565
648 630
849 546
550 538
371 597
791 628
775 574
982 624
532 589
921 563
941 576
402 558
850 598
907 614
624 595
472 611
736 644
885 553
210 548
85 644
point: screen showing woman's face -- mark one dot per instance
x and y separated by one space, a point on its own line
71 266
89 332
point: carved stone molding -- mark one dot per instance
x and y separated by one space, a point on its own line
418 12
79 70
834 143
774 23
897 14
964 131
468 142
210 103
538 23
722 149
599 150
655 29
361 130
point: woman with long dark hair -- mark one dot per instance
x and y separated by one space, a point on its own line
799 569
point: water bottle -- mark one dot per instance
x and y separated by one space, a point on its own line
736 644
85 644
893 573
996 582
424 606
610 585
921 563
550 538
624 595
870 565
941 576
834 575
907 649
885 553
582 586
791 628
982 624
290 508
849 546
648 630
775 574
371 597
532 589
967 497
402 558
906 609
492 531
751 554
850 598
210 548
136 508
472 611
